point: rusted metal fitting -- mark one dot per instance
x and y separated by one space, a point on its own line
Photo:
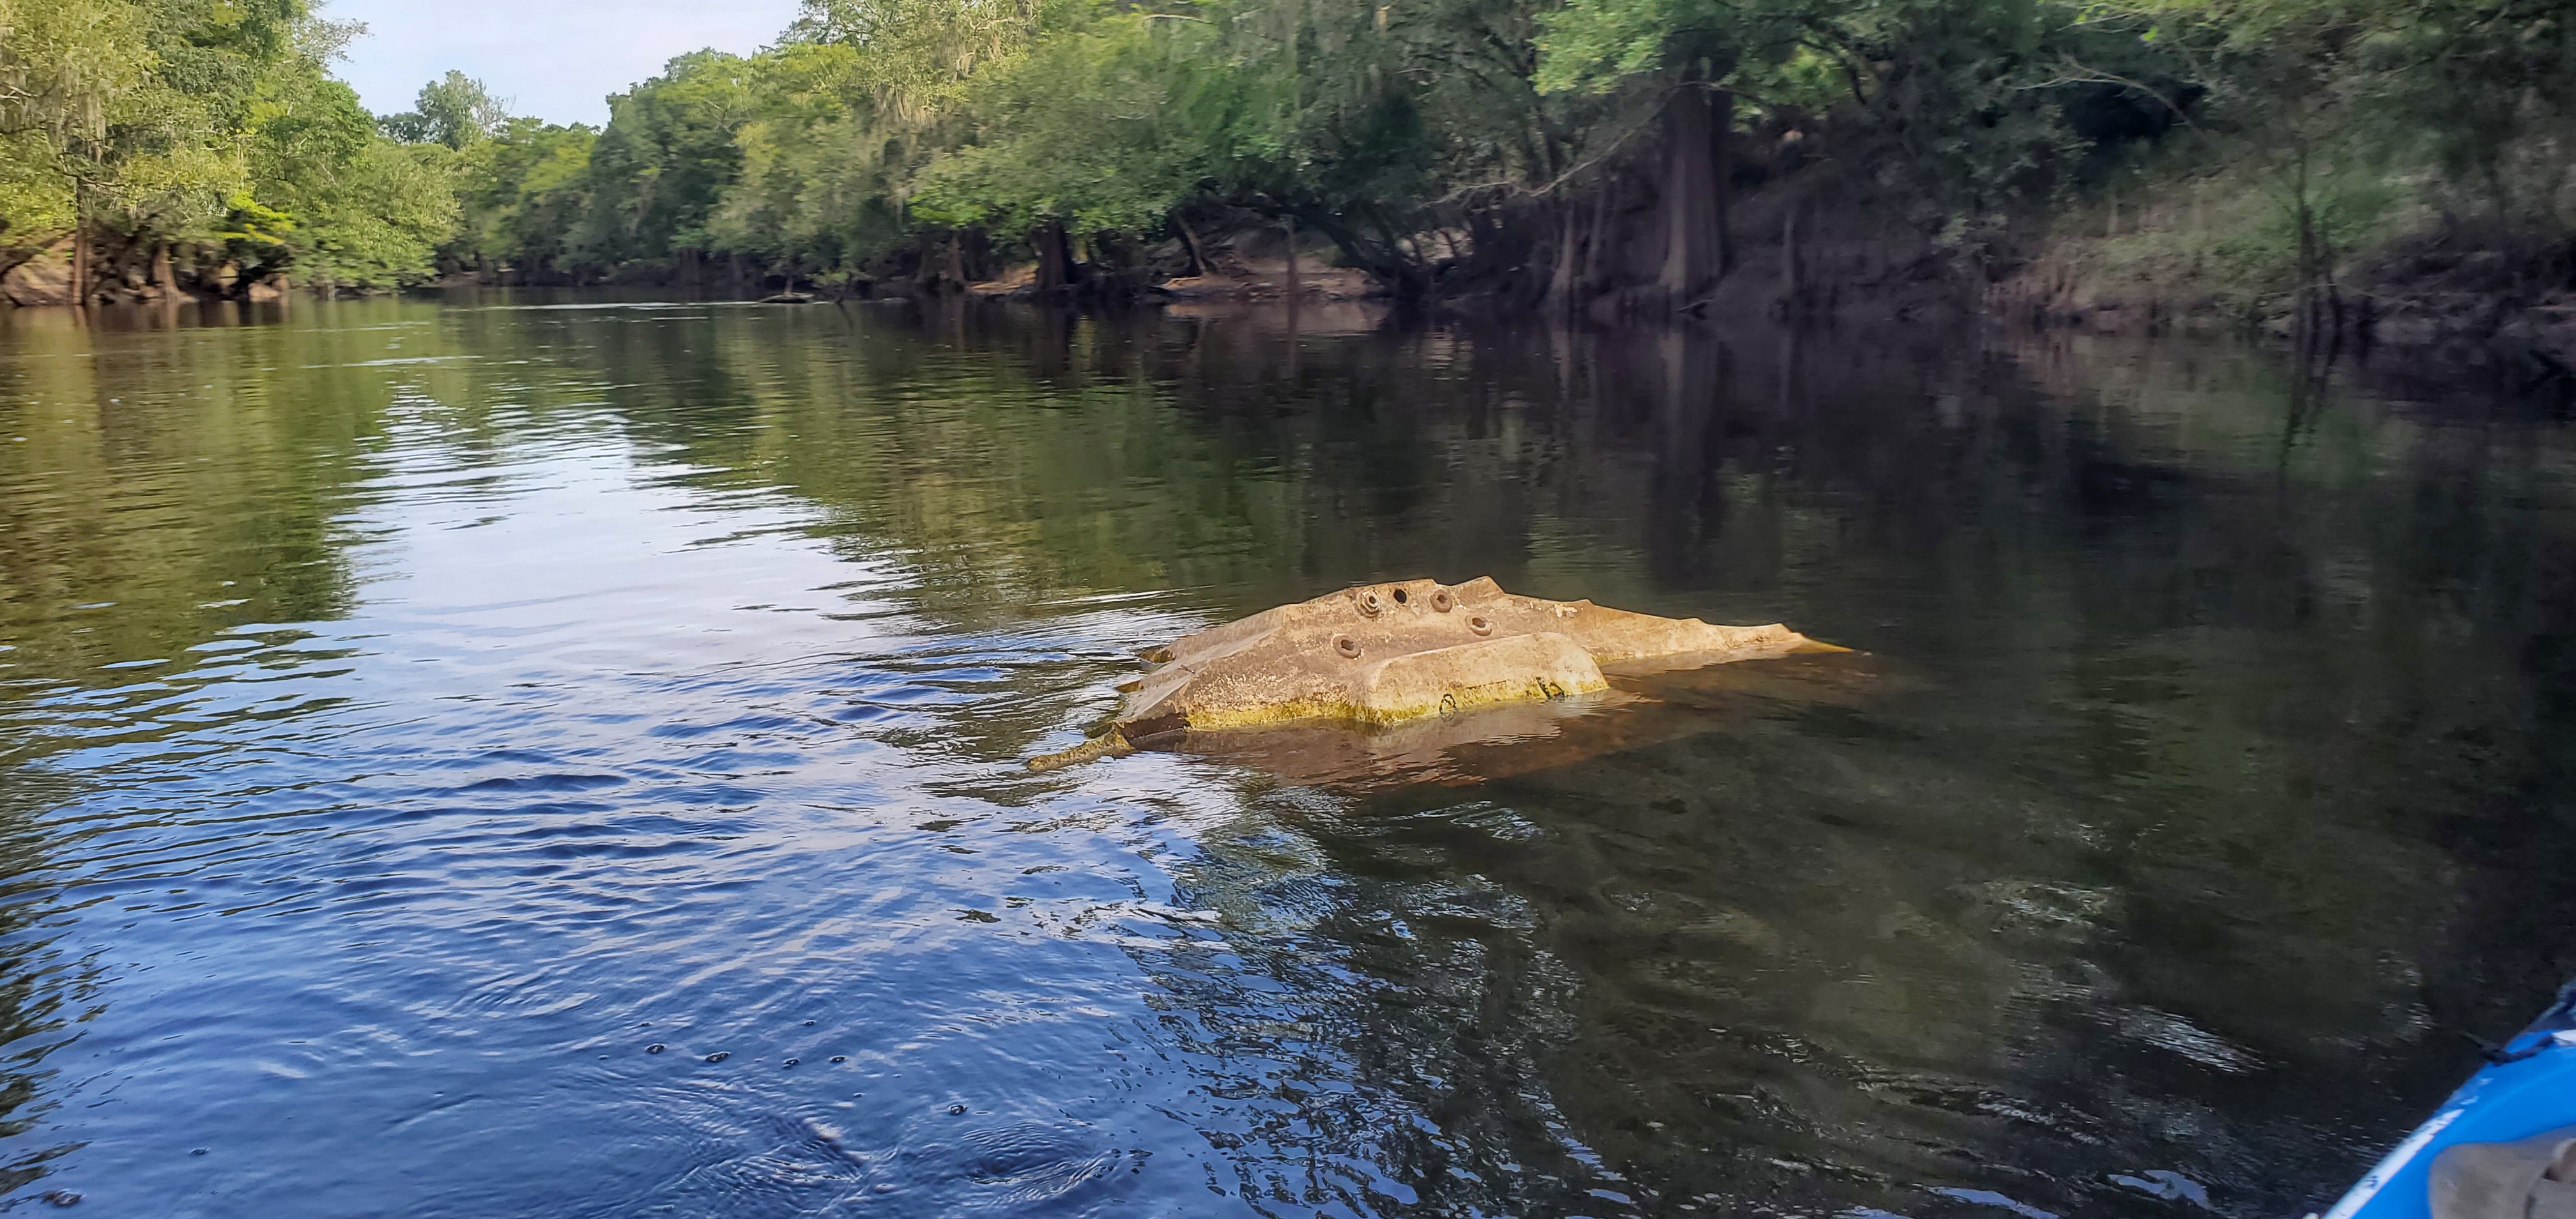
1481 625
1368 603
1347 646
1442 601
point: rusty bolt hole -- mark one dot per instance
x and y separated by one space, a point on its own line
1442 601
1399 595
1347 646
1481 624
1369 603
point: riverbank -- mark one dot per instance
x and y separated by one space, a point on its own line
2173 257
2206 255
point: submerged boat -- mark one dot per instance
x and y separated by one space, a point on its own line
1380 656
2502 1147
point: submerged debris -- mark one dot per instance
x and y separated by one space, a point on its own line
1385 654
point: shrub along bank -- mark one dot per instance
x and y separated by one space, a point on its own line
2308 160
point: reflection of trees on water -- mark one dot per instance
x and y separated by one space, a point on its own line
1810 963
158 487
2418 562
2215 767
2141 877
190 480
1782 965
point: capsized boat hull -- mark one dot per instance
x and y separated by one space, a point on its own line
1637 712
1390 654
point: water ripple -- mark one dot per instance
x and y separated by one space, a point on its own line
564 760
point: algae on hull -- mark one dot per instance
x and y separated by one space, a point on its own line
1384 654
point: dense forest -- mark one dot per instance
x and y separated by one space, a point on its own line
1586 155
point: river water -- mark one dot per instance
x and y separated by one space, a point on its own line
524 758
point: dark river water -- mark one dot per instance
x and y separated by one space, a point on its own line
502 759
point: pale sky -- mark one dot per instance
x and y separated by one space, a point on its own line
555 59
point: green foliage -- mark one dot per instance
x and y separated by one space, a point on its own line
356 208
104 111
1093 130
1392 126
2357 121
1599 44
523 195
1952 108
879 123
210 124
819 175
456 111
2221 240
68 70
914 58
667 157
378 220
254 231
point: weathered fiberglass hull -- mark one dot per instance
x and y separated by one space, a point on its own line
2502 1147
1389 654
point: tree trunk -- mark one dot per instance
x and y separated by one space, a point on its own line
76 289
1792 285
160 278
1598 268
1690 199
1296 286
956 260
1561 284
1190 242
2306 269
1722 174
1687 501
1055 257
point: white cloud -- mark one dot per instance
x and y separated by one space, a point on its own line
555 59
